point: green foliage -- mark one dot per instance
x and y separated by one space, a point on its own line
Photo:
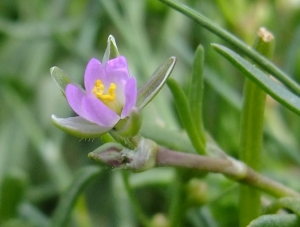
185 115
196 92
12 184
292 204
283 220
278 92
39 181
66 204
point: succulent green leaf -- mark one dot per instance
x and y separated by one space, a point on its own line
196 92
276 220
291 203
155 83
61 79
79 127
68 199
185 115
277 91
111 50
244 48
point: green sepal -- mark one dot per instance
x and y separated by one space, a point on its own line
131 125
185 115
111 50
62 79
155 83
79 127
275 90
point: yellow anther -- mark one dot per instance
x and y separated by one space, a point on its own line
98 90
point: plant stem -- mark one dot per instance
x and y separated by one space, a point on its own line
230 167
252 121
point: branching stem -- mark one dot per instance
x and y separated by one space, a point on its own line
228 166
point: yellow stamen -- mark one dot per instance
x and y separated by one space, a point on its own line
98 90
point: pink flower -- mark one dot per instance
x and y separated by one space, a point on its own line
109 96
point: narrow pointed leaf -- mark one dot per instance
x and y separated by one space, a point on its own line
244 48
155 83
79 127
277 91
276 220
185 116
111 50
291 203
68 199
196 92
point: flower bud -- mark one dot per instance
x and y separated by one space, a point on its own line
142 158
109 154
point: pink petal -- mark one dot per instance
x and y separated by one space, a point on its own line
74 96
130 96
94 71
98 112
117 69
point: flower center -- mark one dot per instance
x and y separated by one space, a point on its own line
99 88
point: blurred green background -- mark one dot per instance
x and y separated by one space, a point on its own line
38 161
